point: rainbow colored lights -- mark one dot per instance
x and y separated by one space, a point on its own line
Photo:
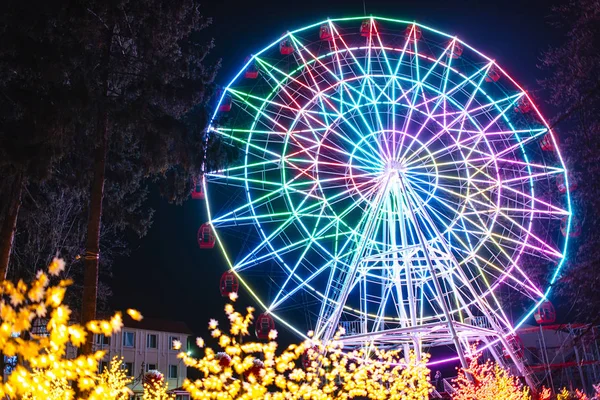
387 184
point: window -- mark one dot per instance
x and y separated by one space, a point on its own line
128 367
129 339
172 339
152 341
172 371
102 365
102 340
150 367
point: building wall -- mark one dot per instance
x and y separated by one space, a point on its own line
163 356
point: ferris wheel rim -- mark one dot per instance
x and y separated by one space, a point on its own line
331 21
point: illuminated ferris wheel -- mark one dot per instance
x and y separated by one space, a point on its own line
392 180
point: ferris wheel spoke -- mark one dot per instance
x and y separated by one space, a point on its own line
338 217
301 258
552 209
540 245
496 251
460 117
481 75
269 69
265 243
456 194
301 284
368 152
343 83
522 280
383 51
438 62
489 158
487 289
321 100
470 256
265 102
501 271
480 226
411 37
363 73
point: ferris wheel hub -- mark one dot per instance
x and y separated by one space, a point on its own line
395 166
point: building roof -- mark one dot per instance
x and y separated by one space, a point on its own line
156 324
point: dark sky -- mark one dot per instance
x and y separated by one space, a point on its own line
167 275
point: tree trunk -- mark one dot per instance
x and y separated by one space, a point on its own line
9 226
7 235
92 246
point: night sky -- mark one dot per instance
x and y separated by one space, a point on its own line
167 275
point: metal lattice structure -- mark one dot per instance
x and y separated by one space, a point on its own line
395 175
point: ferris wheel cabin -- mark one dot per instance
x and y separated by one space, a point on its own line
264 324
575 228
197 191
493 75
562 186
286 47
206 237
418 32
229 284
523 106
225 105
545 314
325 32
367 28
546 143
251 70
457 51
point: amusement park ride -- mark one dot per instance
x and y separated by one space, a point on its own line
397 176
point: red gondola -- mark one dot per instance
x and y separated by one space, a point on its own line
197 190
575 227
325 32
224 359
285 46
229 284
517 346
523 105
309 356
418 32
457 50
264 324
562 186
546 143
367 28
225 104
493 75
206 237
545 314
252 69
257 366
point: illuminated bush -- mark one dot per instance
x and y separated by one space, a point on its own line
488 381
42 370
310 370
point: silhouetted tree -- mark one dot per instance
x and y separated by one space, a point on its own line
98 99
40 104
574 88
147 73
